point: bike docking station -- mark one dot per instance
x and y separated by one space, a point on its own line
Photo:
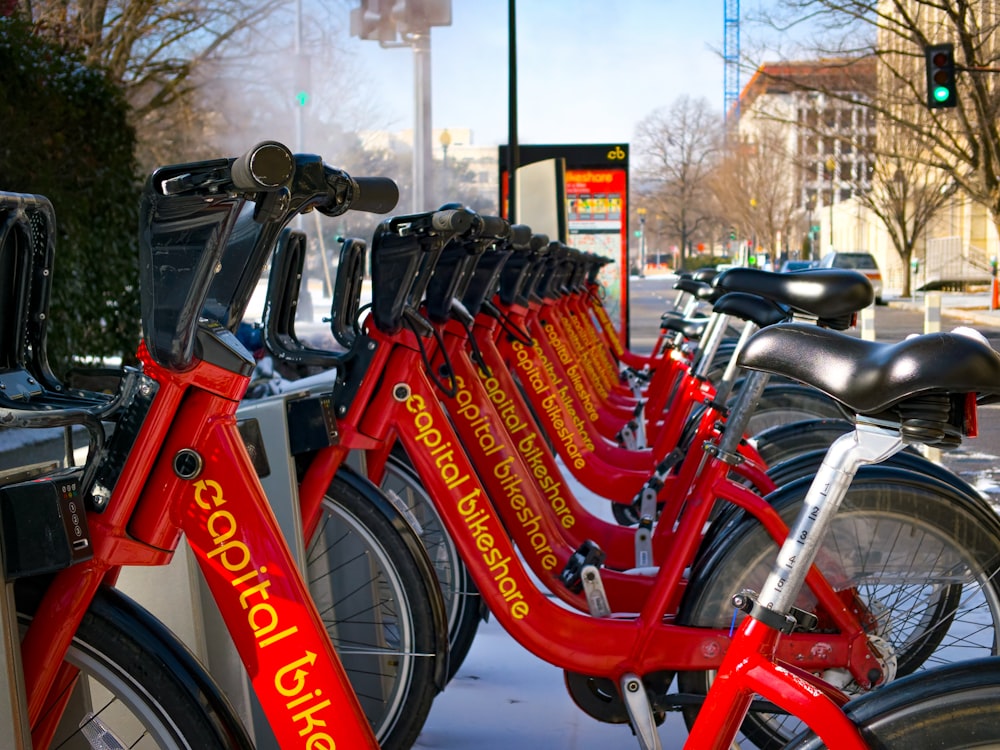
43 518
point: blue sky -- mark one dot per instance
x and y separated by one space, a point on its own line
588 70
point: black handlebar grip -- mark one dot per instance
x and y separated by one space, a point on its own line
377 195
267 166
453 220
494 226
520 236
540 243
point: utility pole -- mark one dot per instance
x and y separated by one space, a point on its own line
408 23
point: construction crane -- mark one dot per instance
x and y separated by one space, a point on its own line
731 60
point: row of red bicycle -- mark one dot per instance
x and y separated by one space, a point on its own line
780 555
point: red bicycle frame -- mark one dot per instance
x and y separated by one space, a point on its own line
193 476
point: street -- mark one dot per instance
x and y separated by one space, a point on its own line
976 460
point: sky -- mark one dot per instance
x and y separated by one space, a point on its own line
587 70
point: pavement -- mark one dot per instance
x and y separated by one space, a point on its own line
973 308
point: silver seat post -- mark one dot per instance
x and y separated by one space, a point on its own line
871 442
725 384
740 412
711 339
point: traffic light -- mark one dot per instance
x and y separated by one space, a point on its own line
373 20
941 80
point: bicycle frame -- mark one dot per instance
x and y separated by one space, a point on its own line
751 666
176 464
194 477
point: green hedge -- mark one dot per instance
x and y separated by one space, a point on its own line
66 136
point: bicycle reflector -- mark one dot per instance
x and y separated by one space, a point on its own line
941 78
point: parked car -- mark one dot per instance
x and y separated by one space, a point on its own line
863 262
797 265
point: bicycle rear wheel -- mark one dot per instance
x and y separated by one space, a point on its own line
137 683
953 708
781 403
921 560
375 600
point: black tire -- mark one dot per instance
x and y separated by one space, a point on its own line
952 708
138 680
781 403
923 559
376 601
463 604
806 465
789 439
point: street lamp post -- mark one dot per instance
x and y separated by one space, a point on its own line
830 166
642 241
810 207
406 23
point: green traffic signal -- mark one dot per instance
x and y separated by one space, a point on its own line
941 76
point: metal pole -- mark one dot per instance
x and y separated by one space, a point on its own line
299 116
422 117
513 152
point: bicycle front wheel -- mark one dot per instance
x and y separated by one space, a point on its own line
919 561
781 403
462 601
138 686
375 603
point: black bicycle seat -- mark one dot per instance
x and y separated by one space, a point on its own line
762 311
833 295
870 377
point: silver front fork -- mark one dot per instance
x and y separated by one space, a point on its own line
870 443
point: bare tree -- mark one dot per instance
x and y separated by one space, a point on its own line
960 144
161 52
755 185
905 196
677 151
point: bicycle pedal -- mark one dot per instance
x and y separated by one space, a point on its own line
640 712
644 543
586 554
593 589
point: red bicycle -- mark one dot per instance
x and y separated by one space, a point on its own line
174 466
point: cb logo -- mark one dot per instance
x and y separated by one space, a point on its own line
617 153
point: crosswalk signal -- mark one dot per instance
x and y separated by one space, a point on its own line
941 91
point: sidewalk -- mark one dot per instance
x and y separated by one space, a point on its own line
972 308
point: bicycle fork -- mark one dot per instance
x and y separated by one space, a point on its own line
749 665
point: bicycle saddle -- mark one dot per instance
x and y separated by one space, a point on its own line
760 310
833 295
689 328
691 285
870 377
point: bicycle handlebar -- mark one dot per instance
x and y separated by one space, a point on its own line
202 258
266 166
377 195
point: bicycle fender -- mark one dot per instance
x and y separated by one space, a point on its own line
900 694
807 463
